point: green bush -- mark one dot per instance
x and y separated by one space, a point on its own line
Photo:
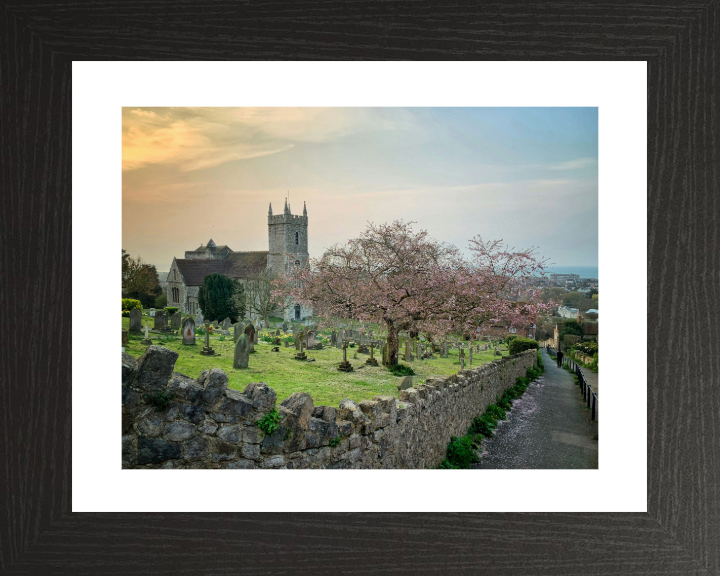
170 310
161 301
129 303
461 452
160 401
510 339
521 344
401 370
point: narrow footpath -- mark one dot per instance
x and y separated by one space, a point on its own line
549 427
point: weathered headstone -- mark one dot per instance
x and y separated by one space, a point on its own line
333 338
285 327
250 333
124 337
199 319
226 324
471 352
237 330
287 343
345 366
371 361
405 383
188 331
161 321
215 324
310 339
408 354
152 312
242 352
146 340
175 321
135 320
299 343
444 352
207 349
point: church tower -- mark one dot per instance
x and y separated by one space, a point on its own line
287 234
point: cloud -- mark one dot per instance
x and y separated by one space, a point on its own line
198 138
574 164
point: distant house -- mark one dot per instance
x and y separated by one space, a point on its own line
567 312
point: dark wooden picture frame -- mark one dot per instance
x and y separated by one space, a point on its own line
680 533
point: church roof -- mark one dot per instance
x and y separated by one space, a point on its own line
235 265
204 247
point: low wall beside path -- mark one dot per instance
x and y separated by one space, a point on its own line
207 425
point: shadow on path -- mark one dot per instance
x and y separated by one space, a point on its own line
549 427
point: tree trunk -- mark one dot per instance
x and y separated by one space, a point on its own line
392 344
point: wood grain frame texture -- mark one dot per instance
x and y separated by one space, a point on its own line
680 534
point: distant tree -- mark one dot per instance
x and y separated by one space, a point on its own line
161 301
260 296
595 299
239 299
569 340
572 299
139 280
215 297
570 327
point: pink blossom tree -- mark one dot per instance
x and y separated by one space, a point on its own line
405 280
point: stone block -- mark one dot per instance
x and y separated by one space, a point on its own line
236 404
184 387
231 433
252 435
155 450
239 465
154 369
251 451
207 427
214 383
273 462
178 431
151 425
196 449
223 451
274 443
261 395
129 367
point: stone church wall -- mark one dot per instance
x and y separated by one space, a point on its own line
208 425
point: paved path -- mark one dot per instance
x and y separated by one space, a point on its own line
549 427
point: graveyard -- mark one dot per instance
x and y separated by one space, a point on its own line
318 375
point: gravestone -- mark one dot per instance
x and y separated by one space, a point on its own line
285 327
237 330
199 319
250 333
146 340
408 354
310 339
277 332
255 338
188 331
124 337
471 352
371 361
444 353
175 321
405 383
345 366
242 352
300 341
135 320
160 321
333 338
226 324
215 324
152 312
207 349
287 343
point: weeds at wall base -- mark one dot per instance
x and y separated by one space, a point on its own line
462 452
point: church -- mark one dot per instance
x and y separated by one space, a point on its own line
287 234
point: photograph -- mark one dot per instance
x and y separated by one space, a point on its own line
360 288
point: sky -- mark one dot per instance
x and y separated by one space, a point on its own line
527 176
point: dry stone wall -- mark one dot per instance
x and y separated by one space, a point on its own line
207 425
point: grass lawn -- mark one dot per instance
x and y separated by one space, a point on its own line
321 379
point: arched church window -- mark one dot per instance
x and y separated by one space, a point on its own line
297 238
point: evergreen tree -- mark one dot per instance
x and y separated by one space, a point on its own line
216 298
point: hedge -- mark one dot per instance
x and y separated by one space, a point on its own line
521 344
128 304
